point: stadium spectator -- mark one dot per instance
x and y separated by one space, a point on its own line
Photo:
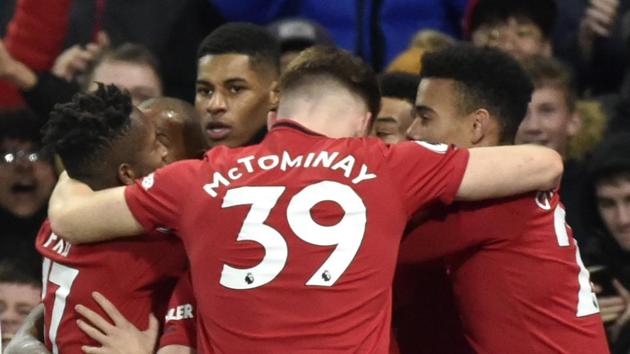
296 34
552 120
607 212
19 293
521 28
129 66
27 178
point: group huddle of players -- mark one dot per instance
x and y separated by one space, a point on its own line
291 245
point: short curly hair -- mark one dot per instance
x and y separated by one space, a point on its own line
243 38
485 78
81 130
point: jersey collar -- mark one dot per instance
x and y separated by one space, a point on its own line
291 124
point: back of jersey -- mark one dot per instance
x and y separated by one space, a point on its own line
136 276
527 279
293 242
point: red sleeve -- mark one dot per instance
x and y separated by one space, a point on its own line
179 323
35 37
158 199
463 226
36 33
425 173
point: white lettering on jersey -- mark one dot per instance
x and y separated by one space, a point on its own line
59 245
330 160
216 179
181 312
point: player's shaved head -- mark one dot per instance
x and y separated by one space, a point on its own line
178 127
329 67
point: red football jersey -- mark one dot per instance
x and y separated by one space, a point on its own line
179 322
137 276
517 276
293 242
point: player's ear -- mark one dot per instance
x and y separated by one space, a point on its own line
575 124
274 95
272 118
480 126
364 127
126 174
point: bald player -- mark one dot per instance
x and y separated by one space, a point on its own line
178 126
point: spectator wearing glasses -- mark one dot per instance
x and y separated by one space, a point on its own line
27 178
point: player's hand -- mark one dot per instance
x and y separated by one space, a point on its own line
76 59
624 316
598 20
121 337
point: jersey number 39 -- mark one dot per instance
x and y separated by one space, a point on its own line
347 234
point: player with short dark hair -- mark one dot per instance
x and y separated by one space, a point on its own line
237 74
517 276
487 88
104 142
398 93
292 242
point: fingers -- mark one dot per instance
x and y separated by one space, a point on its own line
92 332
609 7
102 39
93 350
625 294
110 310
95 319
601 15
154 325
610 301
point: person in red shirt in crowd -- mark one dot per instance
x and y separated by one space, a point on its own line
519 282
293 242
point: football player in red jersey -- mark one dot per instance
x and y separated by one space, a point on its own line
126 140
293 242
236 86
516 272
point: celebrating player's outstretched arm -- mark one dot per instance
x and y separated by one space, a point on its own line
494 172
83 215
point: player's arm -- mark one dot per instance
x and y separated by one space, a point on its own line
494 172
29 337
82 215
